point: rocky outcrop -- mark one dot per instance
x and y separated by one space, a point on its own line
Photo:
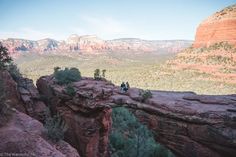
29 96
186 123
23 96
11 91
88 124
217 28
90 44
24 136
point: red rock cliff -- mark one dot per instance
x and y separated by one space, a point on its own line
221 26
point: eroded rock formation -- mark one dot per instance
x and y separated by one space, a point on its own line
219 27
23 96
186 123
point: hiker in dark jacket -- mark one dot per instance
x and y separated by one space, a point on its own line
122 86
126 87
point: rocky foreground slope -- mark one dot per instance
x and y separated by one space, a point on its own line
92 45
221 26
24 136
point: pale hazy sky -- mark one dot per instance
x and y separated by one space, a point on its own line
108 19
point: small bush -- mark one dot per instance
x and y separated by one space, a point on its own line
55 126
67 76
98 75
145 94
104 73
70 90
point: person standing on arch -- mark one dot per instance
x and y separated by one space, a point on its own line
122 87
127 85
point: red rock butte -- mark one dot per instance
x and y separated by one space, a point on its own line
219 27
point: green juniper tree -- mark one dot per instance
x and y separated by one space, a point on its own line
97 74
67 75
5 59
129 138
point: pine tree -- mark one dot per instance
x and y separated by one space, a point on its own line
5 59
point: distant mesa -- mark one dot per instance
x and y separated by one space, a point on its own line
92 44
219 27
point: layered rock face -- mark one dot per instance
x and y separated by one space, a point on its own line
219 27
90 44
186 123
23 96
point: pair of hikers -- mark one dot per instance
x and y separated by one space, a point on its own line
124 86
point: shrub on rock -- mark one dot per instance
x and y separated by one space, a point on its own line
98 75
67 76
145 94
55 126
70 90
